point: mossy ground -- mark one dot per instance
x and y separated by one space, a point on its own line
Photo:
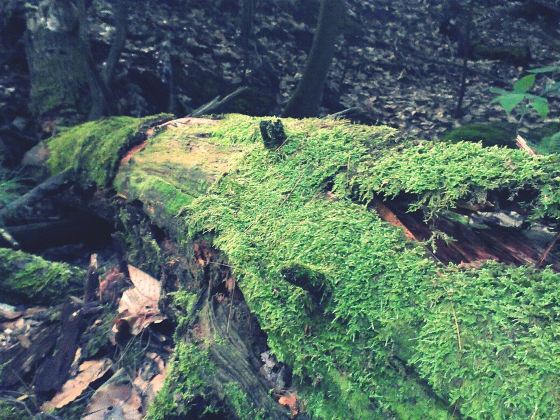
26 278
488 134
481 342
186 386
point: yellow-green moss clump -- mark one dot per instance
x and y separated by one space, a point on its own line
93 149
26 278
185 389
371 325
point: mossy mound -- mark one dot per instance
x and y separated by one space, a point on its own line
513 54
93 150
488 134
372 325
26 278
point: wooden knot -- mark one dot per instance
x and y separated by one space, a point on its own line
272 133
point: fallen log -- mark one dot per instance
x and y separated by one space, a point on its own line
225 222
26 278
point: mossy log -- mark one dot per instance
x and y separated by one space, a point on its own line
279 250
26 278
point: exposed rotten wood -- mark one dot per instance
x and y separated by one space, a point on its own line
470 244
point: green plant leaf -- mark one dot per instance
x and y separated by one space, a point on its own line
541 106
555 137
510 101
524 84
546 69
499 91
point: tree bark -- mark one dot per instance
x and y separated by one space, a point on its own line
307 97
119 40
58 72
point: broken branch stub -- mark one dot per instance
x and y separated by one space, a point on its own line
272 133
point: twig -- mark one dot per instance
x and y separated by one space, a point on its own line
522 144
548 250
230 306
4 234
217 103
457 329
92 280
51 186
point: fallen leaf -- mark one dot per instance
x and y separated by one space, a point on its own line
111 286
116 399
230 284
138 306
146 284
24 341
9 312
88 372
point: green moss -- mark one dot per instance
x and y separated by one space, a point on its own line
365 347
387 294
58 80
186 390
93 149
10 410
26 278
10 189
488 134
491 343
549 145
240 404
98 336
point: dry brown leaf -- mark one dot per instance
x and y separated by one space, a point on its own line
146 284
111 286
24 341
88 372
230 284
115 399
139 305
9 312
290 400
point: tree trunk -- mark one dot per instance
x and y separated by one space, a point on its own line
307 97
58 72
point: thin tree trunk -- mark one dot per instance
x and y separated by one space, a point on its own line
100 96
247 19
121 26
307 97
58 73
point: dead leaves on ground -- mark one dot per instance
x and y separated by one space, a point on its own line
139 305
117 398
88 372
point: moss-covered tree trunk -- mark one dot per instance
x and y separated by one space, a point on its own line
271 253
306 99
57 67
